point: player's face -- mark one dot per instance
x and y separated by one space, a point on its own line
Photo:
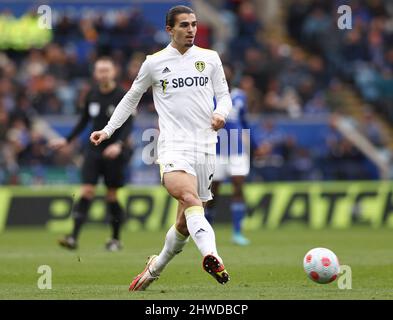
184 31
104 72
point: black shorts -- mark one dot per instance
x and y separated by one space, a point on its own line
112 170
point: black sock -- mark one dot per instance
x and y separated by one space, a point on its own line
80 216
116 213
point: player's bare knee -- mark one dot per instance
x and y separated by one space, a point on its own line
111 195
237 183
88 192
238 195
189 199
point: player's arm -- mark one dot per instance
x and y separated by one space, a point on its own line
223 97
127 106
79 127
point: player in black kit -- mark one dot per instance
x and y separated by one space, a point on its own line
107 160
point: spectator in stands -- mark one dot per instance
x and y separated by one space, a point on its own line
360 55
317 105
273 153
343 160
315 27
371 129
248 27
277 78
254 96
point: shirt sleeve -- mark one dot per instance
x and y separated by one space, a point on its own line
127 106
82 123
221 90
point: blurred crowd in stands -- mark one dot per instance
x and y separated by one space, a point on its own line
301 80
362 55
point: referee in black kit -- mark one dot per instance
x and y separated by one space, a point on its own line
108 160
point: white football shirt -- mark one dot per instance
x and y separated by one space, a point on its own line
184 86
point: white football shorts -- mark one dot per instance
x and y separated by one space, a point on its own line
199 164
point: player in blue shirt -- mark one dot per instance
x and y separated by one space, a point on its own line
233 159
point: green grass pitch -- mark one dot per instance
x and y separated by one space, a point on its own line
270 268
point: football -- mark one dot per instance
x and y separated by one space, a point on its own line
321 265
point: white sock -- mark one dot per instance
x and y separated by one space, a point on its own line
174 243
201 231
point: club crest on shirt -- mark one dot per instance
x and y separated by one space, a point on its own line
164 85
94 109
200 66
110 110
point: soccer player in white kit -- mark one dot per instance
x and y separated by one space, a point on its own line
184 79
